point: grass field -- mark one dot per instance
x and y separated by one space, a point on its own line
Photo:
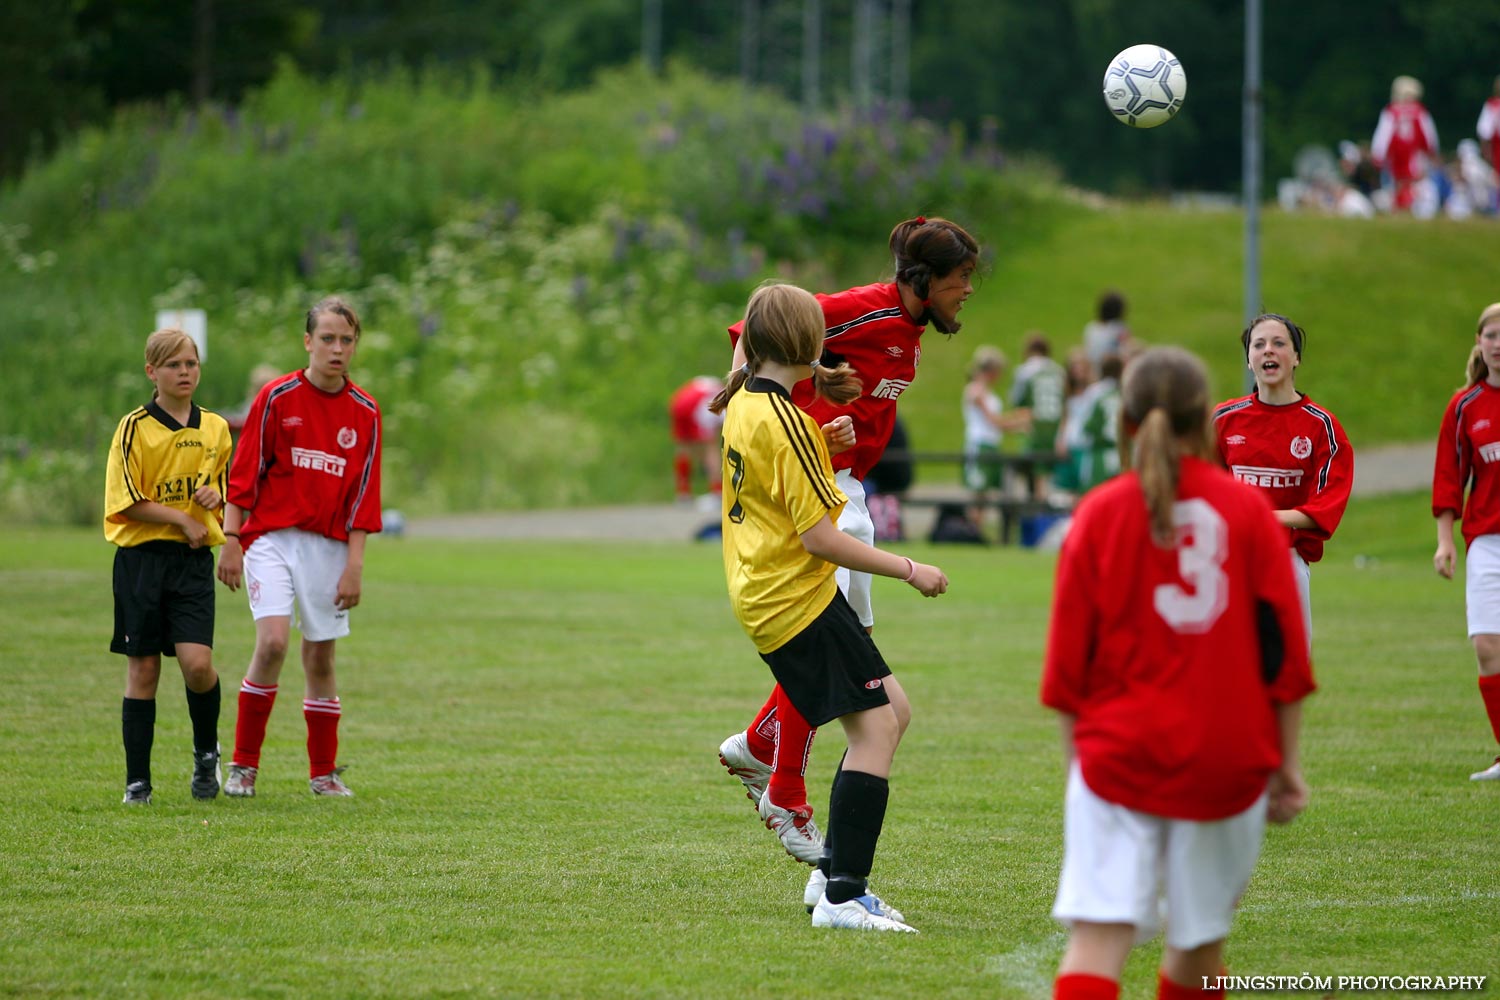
540 812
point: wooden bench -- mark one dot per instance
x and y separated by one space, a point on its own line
1011 509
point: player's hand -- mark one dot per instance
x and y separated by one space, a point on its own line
839 433
208 498
231 564
196 532
1286 795
1442 560
930 580
348 592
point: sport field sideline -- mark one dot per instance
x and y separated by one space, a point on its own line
540 811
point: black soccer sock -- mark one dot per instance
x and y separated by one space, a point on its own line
855 816
825 862
203 709
138 727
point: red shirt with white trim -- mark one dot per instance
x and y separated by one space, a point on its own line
1157 652
1468 449
308 459
1297 453
870 329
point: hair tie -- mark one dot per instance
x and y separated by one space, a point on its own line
745 368
921 220
815 363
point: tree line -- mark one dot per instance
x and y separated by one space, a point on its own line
1022 74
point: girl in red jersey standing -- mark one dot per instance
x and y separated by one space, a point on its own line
877 330
1279 441
304 491
1468 448
1177 660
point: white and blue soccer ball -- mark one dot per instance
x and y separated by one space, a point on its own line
1144 86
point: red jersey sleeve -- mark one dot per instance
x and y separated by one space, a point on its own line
1451 465
1333 476
1277 588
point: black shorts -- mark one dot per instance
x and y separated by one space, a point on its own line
164 594
831 668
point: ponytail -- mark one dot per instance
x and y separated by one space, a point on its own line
837 385
1476 371
732 383
1158 466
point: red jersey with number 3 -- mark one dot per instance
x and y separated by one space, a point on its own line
1297 454
1157 651
308 459
1468 450
868 328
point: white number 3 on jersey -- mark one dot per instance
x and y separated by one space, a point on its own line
1201 551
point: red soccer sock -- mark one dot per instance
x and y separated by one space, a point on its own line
255 704
322 715
682 471
1489 690
762 732
1082 986
1166 989
794 737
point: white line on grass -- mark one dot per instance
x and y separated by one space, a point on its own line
1031 967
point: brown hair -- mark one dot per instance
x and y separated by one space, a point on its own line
332 304
1037 344
1164 409
1477 371
930 248
165 343
1293 331
784 324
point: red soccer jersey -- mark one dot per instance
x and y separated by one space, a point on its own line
1488 128
1297 453
1468 448
1157 652
1403 135
308 459
868 328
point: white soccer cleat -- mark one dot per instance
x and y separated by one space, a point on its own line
1491 773
863 913
241 782
734 754
799 834
331 784
817 883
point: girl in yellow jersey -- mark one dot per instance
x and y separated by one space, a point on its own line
163 502
781 547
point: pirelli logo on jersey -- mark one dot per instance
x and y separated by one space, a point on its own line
890 388
319 461
1489 452
1269 478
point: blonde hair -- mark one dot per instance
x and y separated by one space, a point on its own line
784 324
1406 88
987 358
164 344
1164 415
1477 371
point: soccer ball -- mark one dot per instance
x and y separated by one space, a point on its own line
1144 86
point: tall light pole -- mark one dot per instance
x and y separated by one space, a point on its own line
812 45
1250 167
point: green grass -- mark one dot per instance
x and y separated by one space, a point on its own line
539 811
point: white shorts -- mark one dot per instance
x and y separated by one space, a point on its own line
1303 573
855 521
290 567
1482 585
1126 867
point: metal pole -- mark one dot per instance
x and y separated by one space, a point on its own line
651 35
1251 168
861 54
749 40
812 45
901 54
